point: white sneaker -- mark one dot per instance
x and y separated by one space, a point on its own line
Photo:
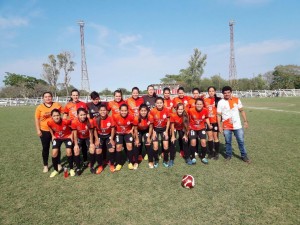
59 167
46 169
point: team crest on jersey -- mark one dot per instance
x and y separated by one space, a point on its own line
203 117
171 104
64 128
108 124
128 123
203 132
164 116
185 102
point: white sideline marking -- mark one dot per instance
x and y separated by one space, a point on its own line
267 108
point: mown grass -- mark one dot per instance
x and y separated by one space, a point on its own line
263 192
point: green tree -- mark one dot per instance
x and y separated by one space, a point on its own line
51 72
286 77
66 63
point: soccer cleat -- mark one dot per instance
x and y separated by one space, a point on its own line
196 153
194 160
151 166
246 159
85 164
77 172
112 168
135 166
59 168
72 172
216 157
165 164
130 166
181 154
46 169
92 169
140 158
227 158
99 170
171 163
146 157
155 164
204 160
189 162
54 173
118 167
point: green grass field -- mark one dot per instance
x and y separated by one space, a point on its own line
267 191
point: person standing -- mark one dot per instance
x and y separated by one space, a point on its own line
42 116
229 110
150 98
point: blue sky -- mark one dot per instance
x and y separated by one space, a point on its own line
136 42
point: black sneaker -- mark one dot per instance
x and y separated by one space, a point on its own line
246 159
93 171
77 172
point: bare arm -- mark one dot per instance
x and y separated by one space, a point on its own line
219 123
244 118
37 127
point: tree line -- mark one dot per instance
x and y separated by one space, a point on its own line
23 86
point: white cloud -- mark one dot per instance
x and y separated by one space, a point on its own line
8 23
129 39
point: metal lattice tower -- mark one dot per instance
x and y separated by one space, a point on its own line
85 85
232 67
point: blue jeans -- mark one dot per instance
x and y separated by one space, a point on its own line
239 135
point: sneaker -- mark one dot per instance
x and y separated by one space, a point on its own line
216 157
93 171
85 164
196 153
77 172
135 166
246 159
99 169
112 168
181 154
130 166
194 160
46 169
72 172
171 163
118 167
150 164
59 168
227 158
189 162
166 164
54 173
155 164
146 157
204 160
140 158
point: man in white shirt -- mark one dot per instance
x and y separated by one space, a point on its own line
229 110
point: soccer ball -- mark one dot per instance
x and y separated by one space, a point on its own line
188 181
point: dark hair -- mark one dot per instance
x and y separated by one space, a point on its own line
118 91
196 89
159 98
143 106
94 95
154 94
226 88
55 111
98 119
75 90
199 99
180 88
47 92
185 116
135 88
166 89
123 105
86 119
217 99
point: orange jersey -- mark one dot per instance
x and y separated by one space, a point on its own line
43 114
105 125
212 110
177 120
133 105
114 106
60 130
82 128
159 118
71 108
197 119
143 124
183 100
124 125
168 103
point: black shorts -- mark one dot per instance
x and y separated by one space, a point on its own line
121 138
104 140
160 134
84 142
56 143
143 135
215 127
195 134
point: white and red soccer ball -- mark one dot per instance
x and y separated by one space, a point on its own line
188 181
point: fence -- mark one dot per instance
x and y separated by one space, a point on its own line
240 94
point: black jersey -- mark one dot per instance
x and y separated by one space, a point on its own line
93 109
149 101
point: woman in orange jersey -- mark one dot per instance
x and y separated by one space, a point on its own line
114 105
104 132
179 126
42 116
83 136
61 133
134 102
198 116
124 134
181 98
168 102
159 117
213 134
143 133
196 95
